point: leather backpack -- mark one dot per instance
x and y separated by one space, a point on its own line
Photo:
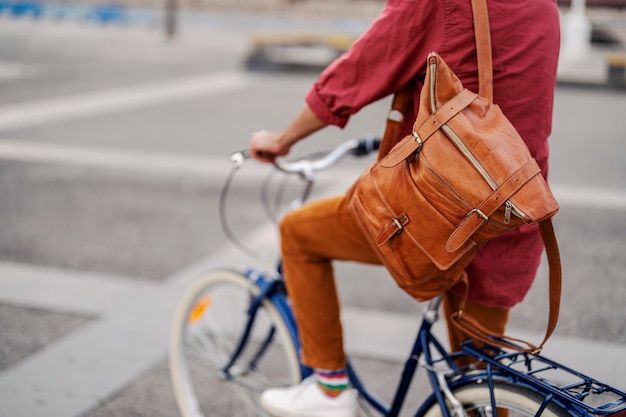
463 177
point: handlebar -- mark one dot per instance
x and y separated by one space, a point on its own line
308 166
305 168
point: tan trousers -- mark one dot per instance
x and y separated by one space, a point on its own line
311 238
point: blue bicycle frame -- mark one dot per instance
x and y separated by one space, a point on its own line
518 368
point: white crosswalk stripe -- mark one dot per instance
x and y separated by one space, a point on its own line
34 113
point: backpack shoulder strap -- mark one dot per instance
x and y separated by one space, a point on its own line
470 326
482 35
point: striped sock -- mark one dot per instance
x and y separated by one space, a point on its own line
332 383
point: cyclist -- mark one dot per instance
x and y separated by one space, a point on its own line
390 55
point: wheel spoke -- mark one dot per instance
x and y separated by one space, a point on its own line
511 401
204 340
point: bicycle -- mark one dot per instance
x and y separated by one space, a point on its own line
235 330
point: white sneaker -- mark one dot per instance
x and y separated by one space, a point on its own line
308 400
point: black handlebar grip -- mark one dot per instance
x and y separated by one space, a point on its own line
366 146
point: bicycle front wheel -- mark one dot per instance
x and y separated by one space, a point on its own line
207 326
511 401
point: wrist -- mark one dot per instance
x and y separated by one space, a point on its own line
286 139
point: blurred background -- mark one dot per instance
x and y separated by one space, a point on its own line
116 123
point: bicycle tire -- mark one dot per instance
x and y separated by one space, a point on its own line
518 401
206 325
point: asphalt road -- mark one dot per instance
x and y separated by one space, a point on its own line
113 149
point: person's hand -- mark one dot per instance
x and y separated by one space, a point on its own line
266 146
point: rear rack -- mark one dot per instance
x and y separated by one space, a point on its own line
553 378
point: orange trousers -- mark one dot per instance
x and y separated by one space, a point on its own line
311 238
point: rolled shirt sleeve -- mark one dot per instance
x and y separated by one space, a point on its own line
390 54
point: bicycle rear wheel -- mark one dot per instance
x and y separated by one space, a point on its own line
511 401
208 322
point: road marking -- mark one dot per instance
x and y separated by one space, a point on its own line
589 197
23 115
154 163
113 159
79 371
217 167
127 338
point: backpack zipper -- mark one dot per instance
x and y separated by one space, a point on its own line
509 207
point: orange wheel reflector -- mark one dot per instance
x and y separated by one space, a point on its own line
198 310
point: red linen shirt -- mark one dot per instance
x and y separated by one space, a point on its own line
392 53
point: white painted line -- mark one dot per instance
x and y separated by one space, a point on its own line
82 369
128 336
92 294
154 163
167 164
39 112
114 159
589 197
